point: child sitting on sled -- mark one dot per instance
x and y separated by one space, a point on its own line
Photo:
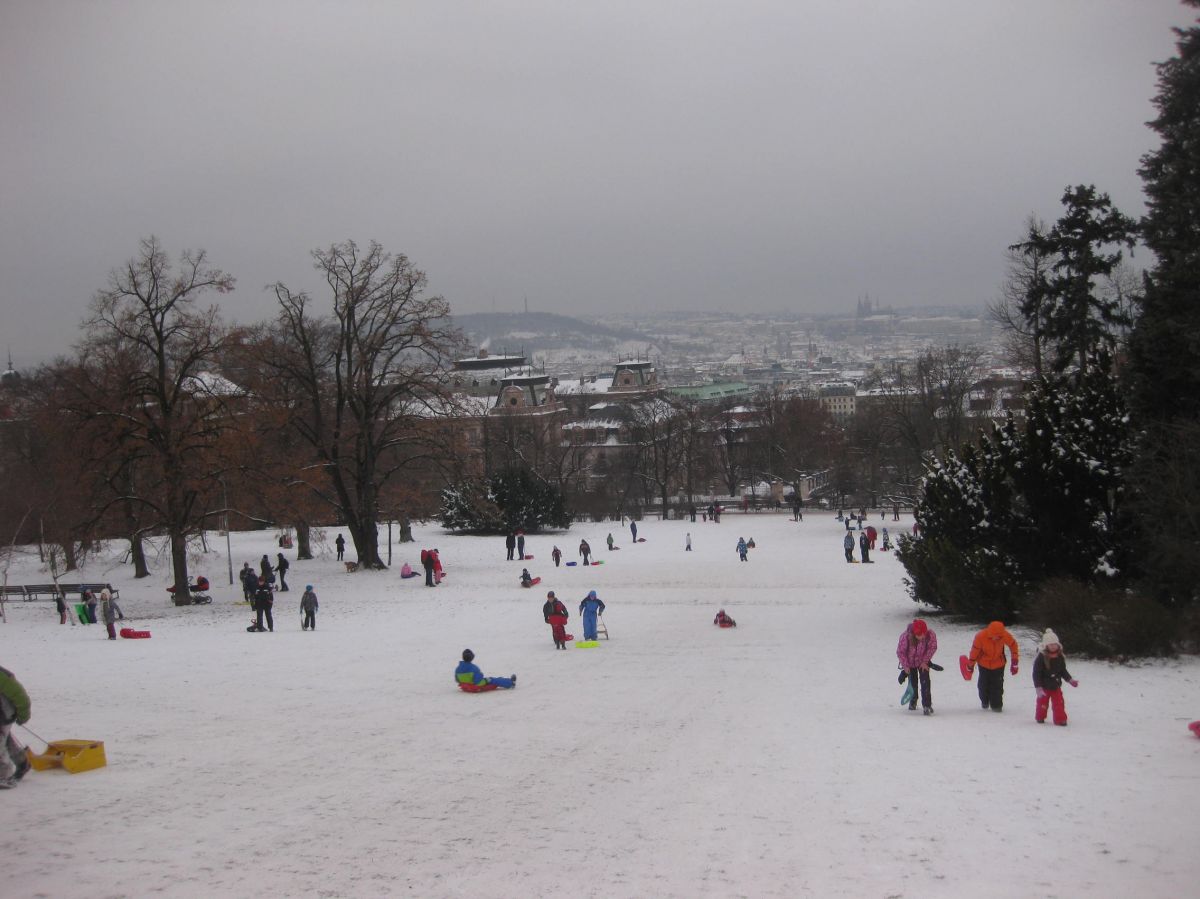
468 674
723 620
526 578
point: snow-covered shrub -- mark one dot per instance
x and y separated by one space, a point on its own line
502 503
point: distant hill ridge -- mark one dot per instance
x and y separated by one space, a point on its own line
499 328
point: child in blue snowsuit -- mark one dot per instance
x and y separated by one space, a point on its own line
589 608
469 673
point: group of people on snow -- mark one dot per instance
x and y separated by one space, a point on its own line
992 650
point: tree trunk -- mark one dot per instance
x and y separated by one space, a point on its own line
303 540
179 564
137 552
69 559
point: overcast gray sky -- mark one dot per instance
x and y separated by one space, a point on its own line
590 156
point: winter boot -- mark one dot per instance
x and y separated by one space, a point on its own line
514 680
928 710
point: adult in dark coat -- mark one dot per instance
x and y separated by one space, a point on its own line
249 582
427 564
510 543
263 602
556 616
864 547
282 568
340 543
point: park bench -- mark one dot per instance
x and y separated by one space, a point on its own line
13 591
95 588
33 591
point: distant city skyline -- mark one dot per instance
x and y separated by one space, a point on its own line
764 156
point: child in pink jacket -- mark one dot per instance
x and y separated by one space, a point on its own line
915 651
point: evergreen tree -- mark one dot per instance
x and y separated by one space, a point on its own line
1077 451
1165 344
508 500
1082 246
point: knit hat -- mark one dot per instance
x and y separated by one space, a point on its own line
1050 638
919 628
308 587
468 656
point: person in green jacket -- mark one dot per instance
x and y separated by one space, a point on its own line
14 707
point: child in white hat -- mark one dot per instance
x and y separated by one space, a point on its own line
1049 671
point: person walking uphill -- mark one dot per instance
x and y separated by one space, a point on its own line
591 606
555 613
987 650
556 555
742 549
308 609
468 673
14 707
282 567
1049 671
585 550
915 651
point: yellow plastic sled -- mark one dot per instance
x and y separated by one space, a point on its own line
74 755
585 644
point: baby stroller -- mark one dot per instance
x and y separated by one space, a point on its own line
197 593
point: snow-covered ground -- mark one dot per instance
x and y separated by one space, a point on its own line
677 759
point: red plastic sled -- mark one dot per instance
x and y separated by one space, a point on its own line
529 557
964 665
533 583
557 619
477 688
1194 727
130 634
726 624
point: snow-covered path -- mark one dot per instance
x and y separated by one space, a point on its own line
677 759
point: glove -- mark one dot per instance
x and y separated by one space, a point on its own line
1041 693
903 676
1013 669
1073 683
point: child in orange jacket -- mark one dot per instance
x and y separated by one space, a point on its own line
987 650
